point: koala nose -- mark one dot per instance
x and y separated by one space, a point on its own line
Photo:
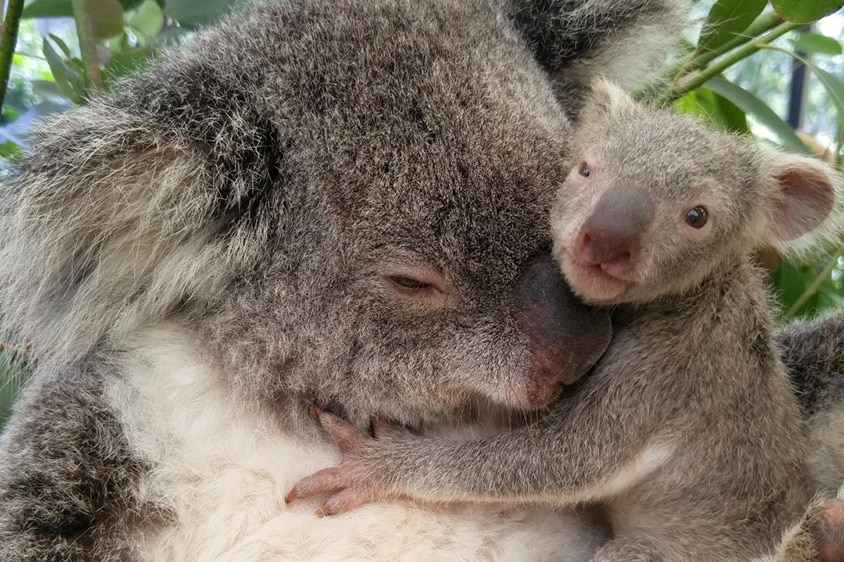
612 235
566 335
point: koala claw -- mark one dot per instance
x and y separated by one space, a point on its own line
346 483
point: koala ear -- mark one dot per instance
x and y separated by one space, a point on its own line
607 102
804 191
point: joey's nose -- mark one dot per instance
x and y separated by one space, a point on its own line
613 232
567 336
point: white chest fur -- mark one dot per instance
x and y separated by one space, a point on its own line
224 470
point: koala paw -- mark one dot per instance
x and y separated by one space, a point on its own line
354 482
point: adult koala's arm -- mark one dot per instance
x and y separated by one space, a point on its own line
320 202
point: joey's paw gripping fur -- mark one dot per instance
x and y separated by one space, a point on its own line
352 483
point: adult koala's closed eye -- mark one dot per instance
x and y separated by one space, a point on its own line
323 201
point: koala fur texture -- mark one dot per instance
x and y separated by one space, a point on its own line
327 202
687 433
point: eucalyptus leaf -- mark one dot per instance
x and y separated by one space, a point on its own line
726 19
61 44
61 8
758 109
192 14
805 11
70 82
714 109
834 87
815 43
147 20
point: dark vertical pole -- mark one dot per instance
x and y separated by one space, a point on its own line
797 93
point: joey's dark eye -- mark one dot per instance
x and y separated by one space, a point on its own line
696 217
584 170
409 282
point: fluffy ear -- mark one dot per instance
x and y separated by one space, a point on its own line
115 219
805 215
804 192
608 101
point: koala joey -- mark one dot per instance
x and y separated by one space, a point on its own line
687 433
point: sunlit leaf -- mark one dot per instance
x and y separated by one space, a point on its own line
8 150
147 20
815 43
759 110
726 19
805 11
715 109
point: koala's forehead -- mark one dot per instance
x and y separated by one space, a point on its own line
427 123
672 154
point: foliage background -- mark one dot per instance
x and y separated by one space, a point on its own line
733 69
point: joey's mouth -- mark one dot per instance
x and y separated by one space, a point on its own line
595 282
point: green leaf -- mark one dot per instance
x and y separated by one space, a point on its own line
192 14
62 45
805 11
61 8
834 87
790 281
147 20
9 150
715 109
815 43
726 19
70 82
758 109
123 63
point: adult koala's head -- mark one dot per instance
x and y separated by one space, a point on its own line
341 199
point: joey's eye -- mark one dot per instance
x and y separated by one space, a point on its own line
409 282
583 169
696 217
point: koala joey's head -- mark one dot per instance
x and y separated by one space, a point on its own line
655 201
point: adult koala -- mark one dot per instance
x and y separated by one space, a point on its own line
324 202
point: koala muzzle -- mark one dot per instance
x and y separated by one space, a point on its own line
612 234
567 336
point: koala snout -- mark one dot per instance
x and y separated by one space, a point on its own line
566 336
612 235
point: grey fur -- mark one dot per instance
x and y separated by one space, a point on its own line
687 432
261 189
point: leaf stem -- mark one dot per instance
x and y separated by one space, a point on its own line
11 24
687 83
760 25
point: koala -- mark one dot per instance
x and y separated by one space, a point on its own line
330 202
687 433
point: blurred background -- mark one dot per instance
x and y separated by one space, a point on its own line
772 69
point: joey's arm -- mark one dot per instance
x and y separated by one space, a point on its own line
578 455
